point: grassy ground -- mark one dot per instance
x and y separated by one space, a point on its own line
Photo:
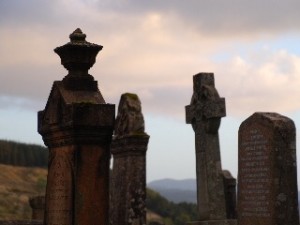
17 185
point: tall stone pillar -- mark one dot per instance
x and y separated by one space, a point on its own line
76 126
204 113
129 146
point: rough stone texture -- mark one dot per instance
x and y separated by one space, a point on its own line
230 194
38 207
128 182
267 187
130 119
204 113
77 127
20 222
215 222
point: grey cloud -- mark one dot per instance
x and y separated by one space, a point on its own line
28 82
26 13
213 17
224 17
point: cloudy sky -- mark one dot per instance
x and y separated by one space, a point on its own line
153 48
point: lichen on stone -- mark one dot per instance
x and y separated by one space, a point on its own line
130 120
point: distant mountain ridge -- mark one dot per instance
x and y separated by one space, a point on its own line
185 184
176 190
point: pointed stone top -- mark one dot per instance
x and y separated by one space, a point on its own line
77 35
130 120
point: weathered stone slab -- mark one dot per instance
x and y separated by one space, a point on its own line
267 187
128 181
204 113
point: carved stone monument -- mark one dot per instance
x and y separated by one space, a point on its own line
267 187
77 126
128 181
204 113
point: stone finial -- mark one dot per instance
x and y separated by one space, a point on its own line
130 119
78 55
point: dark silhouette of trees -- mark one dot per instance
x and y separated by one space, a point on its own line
20 154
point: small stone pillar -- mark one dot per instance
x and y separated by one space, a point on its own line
129 146
205 113
37 205
230 194
77 126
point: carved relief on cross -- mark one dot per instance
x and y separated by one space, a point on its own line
206 108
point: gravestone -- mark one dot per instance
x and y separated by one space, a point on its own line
230 194
128 181
77 126
37 205
267 177
204 113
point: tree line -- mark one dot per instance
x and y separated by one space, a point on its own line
20 154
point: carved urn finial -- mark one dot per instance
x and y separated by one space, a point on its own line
78 55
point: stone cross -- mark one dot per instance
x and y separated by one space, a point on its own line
128 181
204 113
77 126
267 177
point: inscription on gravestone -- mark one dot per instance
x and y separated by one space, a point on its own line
256 183
267 187
61 195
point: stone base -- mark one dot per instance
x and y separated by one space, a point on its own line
213 222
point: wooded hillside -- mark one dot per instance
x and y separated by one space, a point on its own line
23 179
17 185
20 154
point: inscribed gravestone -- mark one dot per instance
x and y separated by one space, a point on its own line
204 113
267 187
128 181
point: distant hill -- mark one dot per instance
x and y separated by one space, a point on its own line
185 184
171 213
18 184
20 154
176 190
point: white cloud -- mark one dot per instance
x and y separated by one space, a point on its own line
269 85
153 49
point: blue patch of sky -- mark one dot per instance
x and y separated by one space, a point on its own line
288 42
171 149
19 124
